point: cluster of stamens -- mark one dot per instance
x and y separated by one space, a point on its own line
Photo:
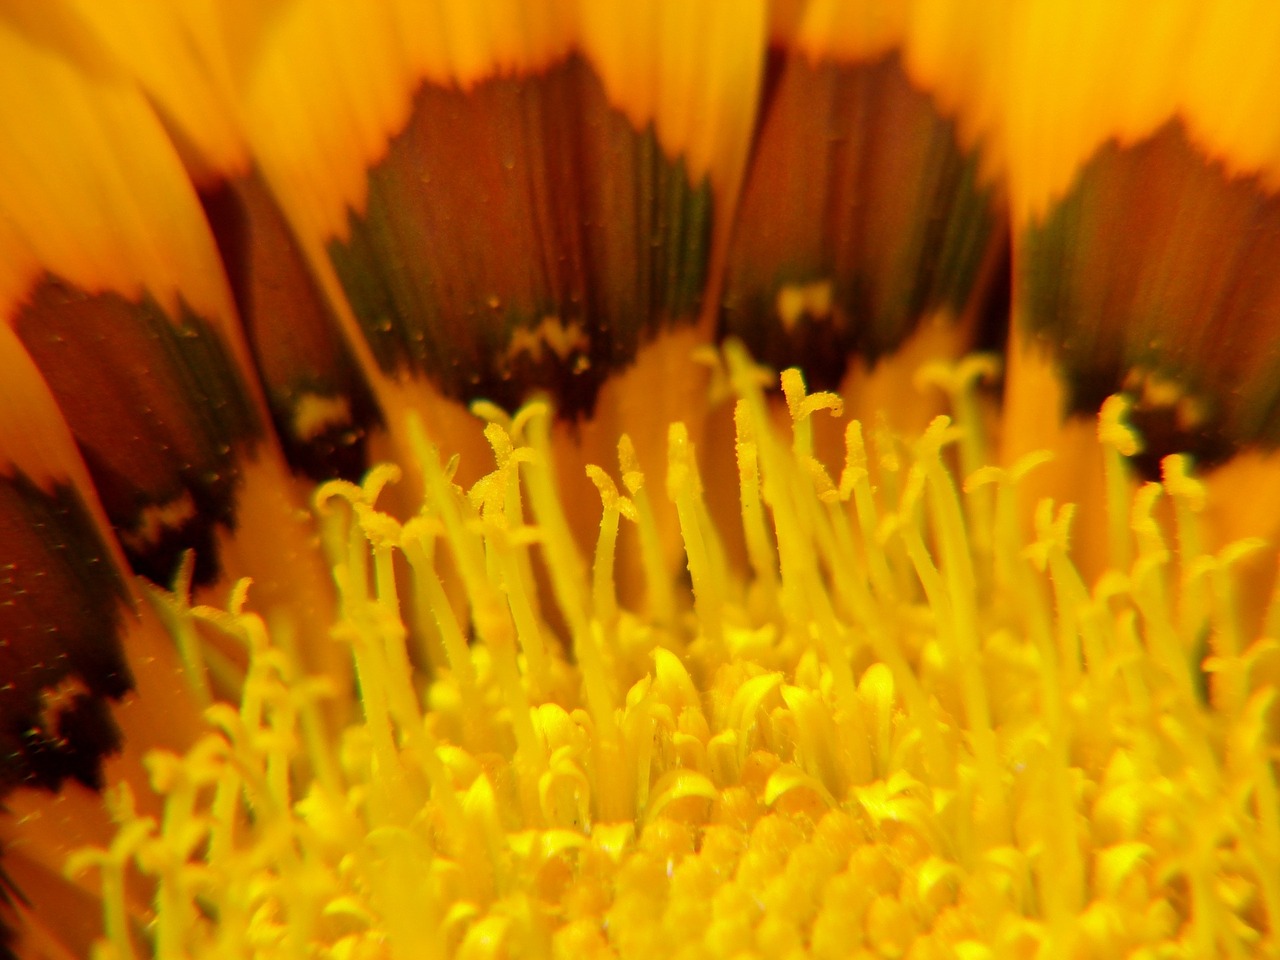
901 725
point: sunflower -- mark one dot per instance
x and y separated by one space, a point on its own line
578 479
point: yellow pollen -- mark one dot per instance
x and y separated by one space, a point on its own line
154 520
796 301
315 413
901 724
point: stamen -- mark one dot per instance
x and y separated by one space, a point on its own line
1119 441
764 562
885 735
658 597
174 610
603 592
685 491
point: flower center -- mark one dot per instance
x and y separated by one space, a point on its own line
903 723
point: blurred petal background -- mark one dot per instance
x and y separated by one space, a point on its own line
241 241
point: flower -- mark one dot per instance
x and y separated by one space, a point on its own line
458 706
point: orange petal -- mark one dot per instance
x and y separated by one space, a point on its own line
68 618
1082 74
81 143
320 402
508 198
1144 164
170 50
64 597
111 281
1155 274
866 207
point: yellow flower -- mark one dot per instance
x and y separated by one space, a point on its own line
742 362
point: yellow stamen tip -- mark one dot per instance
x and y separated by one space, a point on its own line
1113 426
